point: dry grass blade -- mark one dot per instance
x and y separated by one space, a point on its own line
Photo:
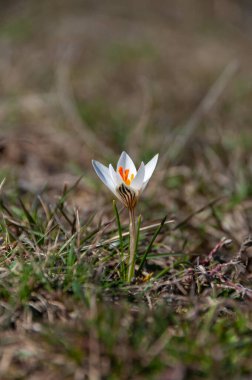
135 139
2 183
124 234
196 212
185 133
67 102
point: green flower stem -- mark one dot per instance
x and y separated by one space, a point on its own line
133 237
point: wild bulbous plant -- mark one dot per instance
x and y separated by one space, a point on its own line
127 184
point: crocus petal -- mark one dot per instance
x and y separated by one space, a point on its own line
126 162
137 182
116 178
104 175
150 167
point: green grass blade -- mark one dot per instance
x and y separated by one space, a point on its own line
119 226
136 245
148 249
28 215
138 232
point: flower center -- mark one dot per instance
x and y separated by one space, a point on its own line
124 173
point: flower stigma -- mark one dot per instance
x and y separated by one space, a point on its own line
124 173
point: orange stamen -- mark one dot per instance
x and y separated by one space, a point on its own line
125 175
120 170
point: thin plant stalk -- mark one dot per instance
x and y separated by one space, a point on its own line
133 238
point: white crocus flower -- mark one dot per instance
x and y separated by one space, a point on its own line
126 182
